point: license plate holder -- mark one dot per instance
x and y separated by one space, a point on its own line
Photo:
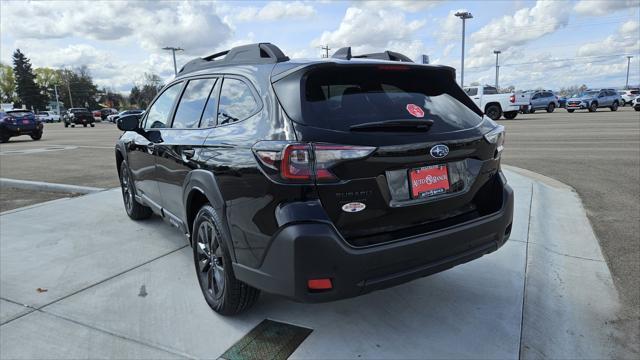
25 121
429 181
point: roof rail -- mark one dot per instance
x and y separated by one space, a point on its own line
260 53
345 54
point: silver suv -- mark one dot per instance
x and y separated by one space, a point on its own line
543 100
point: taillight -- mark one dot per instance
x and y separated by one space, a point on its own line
512 98
305 162
9 120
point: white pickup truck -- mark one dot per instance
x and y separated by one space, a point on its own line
48 116
496 105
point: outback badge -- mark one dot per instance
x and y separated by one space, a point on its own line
439 151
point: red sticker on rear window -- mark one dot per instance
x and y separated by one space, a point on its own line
415 110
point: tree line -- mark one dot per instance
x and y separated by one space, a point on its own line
34 89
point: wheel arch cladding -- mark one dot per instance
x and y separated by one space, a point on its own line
119 159
491 104
201 188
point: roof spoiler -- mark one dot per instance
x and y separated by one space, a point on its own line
345 54
259 53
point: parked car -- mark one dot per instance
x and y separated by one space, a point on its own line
19 122
48 116
594 99
628 96
562 101
113 118
543 100
636 103
78 116
106 112
496 105
97 115
316 180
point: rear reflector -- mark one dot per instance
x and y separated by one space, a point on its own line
319 284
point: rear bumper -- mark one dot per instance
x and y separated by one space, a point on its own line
17 130
79 121
314 250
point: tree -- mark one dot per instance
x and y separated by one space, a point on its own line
7 84
134 96
77 88
141 96
28 92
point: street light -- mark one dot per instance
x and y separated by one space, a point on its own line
464 15
626 86
497 52
173 50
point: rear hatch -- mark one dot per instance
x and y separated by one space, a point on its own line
23 119
429 165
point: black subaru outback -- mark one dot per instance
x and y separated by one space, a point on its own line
316 179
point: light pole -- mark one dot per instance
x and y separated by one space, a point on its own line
464 15
173 50
55 89
626 86
497 52
326 49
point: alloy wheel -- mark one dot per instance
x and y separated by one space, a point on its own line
127 191
210 261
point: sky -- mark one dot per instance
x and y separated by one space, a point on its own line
543 44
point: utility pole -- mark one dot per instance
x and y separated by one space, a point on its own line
626 86
497 52
55 88
69 90
173 51
464 15
326 49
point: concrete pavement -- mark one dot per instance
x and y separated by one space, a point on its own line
123 289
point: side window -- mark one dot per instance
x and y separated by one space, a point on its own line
471 91
158 114
236 102
192 103
210 113
489 90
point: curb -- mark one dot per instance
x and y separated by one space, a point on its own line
45 186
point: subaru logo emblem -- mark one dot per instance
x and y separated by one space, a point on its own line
439 151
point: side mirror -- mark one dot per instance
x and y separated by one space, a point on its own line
129 122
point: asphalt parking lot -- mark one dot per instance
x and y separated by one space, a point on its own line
598 154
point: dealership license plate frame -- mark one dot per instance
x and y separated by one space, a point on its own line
426 190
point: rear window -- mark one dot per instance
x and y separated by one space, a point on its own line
340 97
78 110
19 113
634 92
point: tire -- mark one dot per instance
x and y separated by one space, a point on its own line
37 136
93 125
223 292
493 112
636 108
510 115
4 138
84 125
570 110
614 106
532 110
66 124
73 125
551 107
593 107
134 209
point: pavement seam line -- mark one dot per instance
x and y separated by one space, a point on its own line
524 282
108 332
31 309
111 277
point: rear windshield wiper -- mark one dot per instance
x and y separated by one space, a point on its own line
394 125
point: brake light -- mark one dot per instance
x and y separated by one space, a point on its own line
305 162
319 284
512 98
9 120
296 163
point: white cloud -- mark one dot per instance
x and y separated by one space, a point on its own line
367 28
625 40
524 26
406 5
273 11
194 26
604 7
